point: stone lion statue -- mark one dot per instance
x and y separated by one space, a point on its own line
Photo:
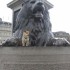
34 17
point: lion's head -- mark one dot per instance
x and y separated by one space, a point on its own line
37 8
34 9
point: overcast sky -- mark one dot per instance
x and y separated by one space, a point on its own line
59 14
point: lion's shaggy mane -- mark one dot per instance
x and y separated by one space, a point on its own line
40 32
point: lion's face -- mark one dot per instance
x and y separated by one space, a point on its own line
37 8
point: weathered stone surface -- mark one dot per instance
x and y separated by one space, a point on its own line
37 66
34 58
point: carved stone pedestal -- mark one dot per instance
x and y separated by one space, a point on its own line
34 58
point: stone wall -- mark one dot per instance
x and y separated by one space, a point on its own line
34 58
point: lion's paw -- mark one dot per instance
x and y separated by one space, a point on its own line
61 42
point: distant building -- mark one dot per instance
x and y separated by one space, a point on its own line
0 19
16 5
5 31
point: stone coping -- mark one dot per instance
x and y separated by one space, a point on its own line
35 50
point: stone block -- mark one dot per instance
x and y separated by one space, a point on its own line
34 58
